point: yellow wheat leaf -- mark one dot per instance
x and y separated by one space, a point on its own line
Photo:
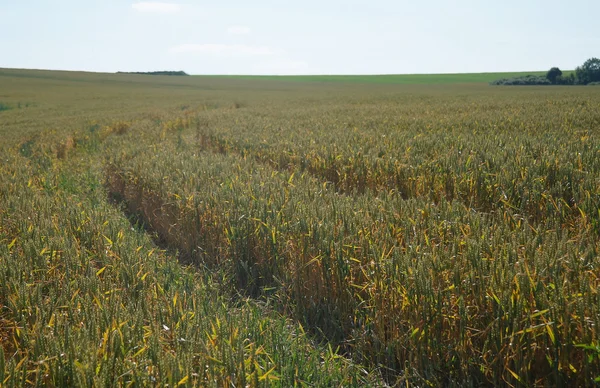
516 376
267 374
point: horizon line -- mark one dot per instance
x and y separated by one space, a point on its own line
282 75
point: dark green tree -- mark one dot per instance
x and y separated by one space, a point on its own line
553 74
589 71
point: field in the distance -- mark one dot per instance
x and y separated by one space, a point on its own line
398 79
218 231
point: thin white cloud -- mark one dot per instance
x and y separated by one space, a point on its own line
223 49
238 30
156 7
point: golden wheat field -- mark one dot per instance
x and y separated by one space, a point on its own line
198 231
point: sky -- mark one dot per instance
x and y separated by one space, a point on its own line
299 37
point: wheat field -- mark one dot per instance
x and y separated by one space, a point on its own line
222 231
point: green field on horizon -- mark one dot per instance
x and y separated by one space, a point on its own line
406 79
376 79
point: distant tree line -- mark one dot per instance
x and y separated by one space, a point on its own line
178 73
586 74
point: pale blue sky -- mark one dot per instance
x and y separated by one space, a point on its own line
299 37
